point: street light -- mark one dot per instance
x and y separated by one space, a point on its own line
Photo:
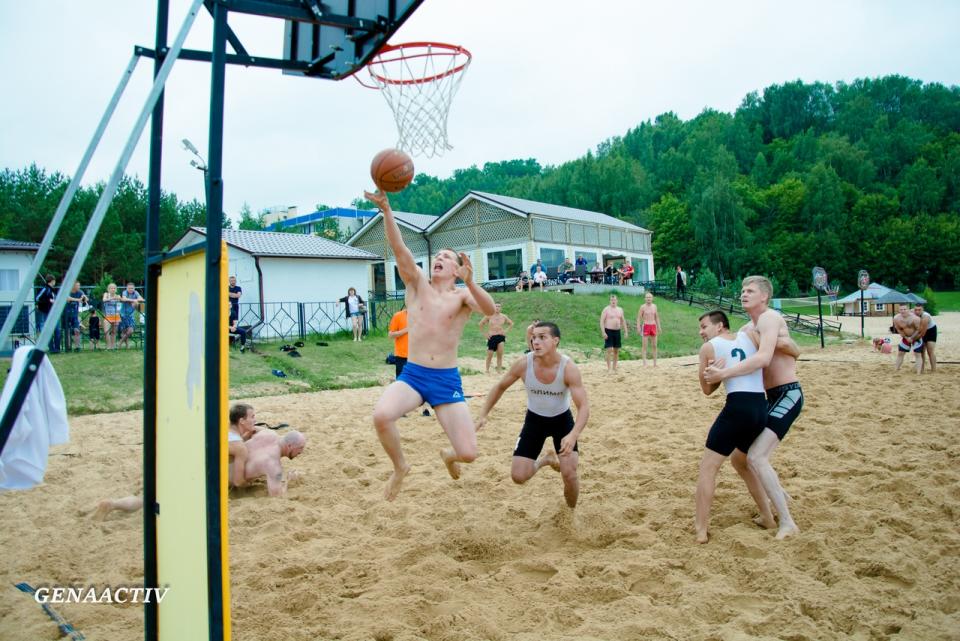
198 163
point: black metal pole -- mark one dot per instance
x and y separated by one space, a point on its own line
861 314
820 311
150 571
213 326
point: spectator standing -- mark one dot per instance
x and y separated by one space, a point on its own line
355 307
111 314
44 302
130 300
401 341
235 292
681 282
75 299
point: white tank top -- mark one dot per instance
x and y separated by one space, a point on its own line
732 352
931 323
546 400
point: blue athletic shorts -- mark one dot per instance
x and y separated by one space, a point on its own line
436 386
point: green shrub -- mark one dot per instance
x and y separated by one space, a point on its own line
931 305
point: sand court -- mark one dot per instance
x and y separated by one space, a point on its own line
873 466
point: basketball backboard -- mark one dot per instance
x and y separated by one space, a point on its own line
338 37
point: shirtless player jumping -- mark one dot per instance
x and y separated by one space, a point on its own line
437 313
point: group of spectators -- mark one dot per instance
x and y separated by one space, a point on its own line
567 272
117 323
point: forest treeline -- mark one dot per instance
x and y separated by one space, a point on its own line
864 175
853 176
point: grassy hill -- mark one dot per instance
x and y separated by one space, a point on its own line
103 381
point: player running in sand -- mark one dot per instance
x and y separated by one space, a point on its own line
551 379
437 313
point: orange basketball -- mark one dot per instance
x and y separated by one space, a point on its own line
391 170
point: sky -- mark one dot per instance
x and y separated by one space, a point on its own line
549 80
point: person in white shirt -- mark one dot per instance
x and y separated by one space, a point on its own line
551 380
741 420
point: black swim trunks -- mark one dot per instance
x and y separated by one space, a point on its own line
536 430
931 335
784 403
613 338
495 340
739 423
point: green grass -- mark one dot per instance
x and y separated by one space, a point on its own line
948 301
96 382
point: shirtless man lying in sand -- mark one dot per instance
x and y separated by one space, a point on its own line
253 453
437 312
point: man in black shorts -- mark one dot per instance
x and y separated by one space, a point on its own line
612 322
740 421
498 324
548 411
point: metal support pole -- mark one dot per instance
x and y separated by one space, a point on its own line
820 311
861 314
151 280
213 324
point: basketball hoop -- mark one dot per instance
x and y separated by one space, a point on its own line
419 80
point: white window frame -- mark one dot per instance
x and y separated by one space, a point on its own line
879 307
503 248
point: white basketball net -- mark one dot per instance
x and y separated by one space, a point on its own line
419 81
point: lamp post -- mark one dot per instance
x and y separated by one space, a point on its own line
200 164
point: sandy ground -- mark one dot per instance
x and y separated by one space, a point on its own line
872 465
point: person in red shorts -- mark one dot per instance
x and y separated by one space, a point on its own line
648 325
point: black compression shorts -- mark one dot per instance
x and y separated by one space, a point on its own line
784 403
739 423
536 430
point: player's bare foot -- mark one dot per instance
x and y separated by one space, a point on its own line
766 522
550 458
702 537
103 508
449 457
787 531
394 483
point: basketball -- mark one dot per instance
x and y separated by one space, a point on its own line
391 170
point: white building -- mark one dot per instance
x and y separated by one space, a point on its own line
15 260
503 235
290 279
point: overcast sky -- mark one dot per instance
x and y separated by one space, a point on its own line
550 79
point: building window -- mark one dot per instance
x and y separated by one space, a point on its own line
879 307
642 271
551 257
590 256
864 307
9 280
504 264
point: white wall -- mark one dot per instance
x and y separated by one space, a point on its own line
309 280
19 261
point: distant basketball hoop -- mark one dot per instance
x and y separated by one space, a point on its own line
419 80
819 278
863 279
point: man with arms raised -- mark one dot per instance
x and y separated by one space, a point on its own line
784 395
551 380
611 323
907 325
437 313
496 335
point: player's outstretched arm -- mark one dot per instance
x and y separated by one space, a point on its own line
512 376
578 393
410 274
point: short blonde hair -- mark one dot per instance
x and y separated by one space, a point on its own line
763 284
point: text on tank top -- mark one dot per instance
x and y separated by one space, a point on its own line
732 352
544 399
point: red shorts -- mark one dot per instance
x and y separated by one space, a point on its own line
649 330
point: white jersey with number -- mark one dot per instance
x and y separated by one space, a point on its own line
732 352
